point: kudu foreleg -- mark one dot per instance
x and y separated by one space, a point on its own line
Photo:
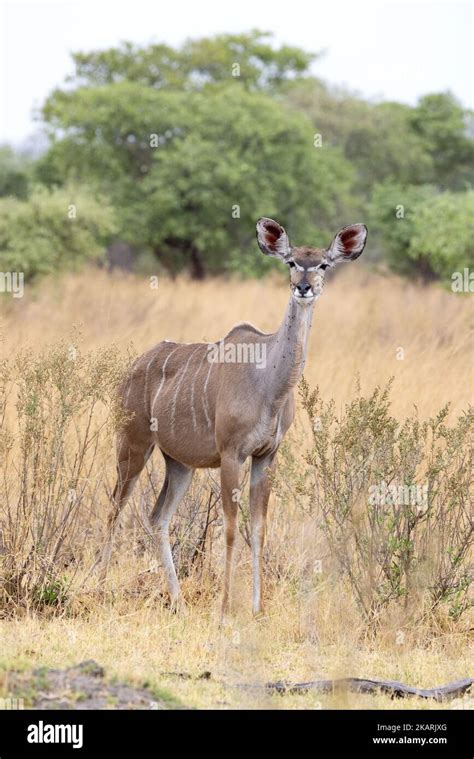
260 487
230 499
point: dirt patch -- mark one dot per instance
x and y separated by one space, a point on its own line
83 686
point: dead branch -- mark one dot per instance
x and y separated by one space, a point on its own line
358 685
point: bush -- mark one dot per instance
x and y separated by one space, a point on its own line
66 412
424 233
394 503
15 171
386 504
443 234
52 230
58 417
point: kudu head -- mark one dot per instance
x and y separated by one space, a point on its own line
308 265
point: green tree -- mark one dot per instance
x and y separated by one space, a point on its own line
443 234
53 230
430 143
15 173
378 140
249 57
387 148
192 143
422 231
191 171
446 130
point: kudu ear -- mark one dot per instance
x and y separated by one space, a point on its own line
272 239
348 244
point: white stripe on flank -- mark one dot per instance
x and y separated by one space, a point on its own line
145 391
162 382
178 385
193 410
204 398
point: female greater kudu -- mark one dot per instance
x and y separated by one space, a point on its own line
213 405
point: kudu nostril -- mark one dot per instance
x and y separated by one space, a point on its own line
303 288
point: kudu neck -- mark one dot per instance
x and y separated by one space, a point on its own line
290 345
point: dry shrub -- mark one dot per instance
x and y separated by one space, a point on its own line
393 501
58 411
58 417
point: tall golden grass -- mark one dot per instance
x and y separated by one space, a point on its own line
360 323
58 471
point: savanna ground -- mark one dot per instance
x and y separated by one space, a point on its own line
351 590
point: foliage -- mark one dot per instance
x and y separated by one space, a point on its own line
195 63
446 130
411 549
190 144
52 230
426 233
46 457
394 501
444 234
177 187
15 170
377 139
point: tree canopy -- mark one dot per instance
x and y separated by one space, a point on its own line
189 145
53 229
190 174
250 57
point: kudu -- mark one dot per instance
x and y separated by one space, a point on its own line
204 408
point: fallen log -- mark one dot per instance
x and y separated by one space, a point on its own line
359 685
393 688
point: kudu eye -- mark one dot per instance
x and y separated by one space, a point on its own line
291 264
324 266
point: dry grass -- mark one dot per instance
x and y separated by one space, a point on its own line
360 323
312 630
302 639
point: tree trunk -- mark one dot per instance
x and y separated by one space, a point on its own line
425 271
198 270
157 252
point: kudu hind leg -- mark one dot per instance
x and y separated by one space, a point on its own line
177 481
129 465
260 487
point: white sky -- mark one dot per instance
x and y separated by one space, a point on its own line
393 50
